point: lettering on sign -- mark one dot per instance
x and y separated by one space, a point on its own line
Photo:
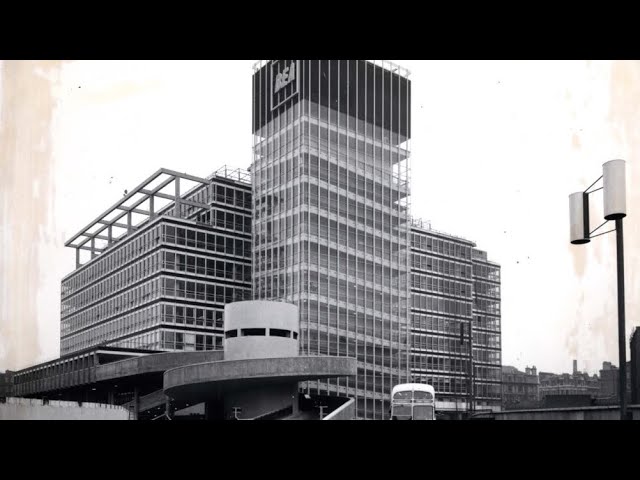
285 77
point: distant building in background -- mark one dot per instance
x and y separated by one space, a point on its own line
610 381
576 383
520 389
635 367
6 384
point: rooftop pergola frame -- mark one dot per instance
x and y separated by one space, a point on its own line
118 221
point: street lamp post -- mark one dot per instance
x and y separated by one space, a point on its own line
614 190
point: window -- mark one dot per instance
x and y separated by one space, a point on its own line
253 332
277 332
231 333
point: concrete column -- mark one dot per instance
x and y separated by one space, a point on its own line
177 205
93 246
110 234
129 229
77 257
151 209
110 397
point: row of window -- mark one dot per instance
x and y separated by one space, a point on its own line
339 172
487 323
289 198
203 240
436 343
441 305
114 259
487 390
118 327
384 358
150 290
349 225
138 271
489 272
386 333
438 265
203 265
443 247
115 306
59 367
336 259
392 161
486 306
189 342
112 283
238 197
436 324
204 291
486 356
196 316
430 283
439 363
396 315
482 339
487 289
261 332
483 372
443 385
342 232
367 163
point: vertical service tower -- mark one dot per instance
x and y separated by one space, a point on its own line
331 213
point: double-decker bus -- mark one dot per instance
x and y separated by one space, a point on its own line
413 401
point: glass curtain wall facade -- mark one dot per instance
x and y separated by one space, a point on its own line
487 346
164 286
455 290
441 314
331 213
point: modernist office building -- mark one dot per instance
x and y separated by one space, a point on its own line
455 320
331 213
161 285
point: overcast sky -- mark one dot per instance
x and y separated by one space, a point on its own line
497 148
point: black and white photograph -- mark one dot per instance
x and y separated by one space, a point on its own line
354 240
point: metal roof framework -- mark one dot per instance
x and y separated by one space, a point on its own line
118 213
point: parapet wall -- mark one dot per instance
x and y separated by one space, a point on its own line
344 412
35 409
581 413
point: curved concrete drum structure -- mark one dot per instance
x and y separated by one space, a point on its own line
260 329
261 368
258 386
